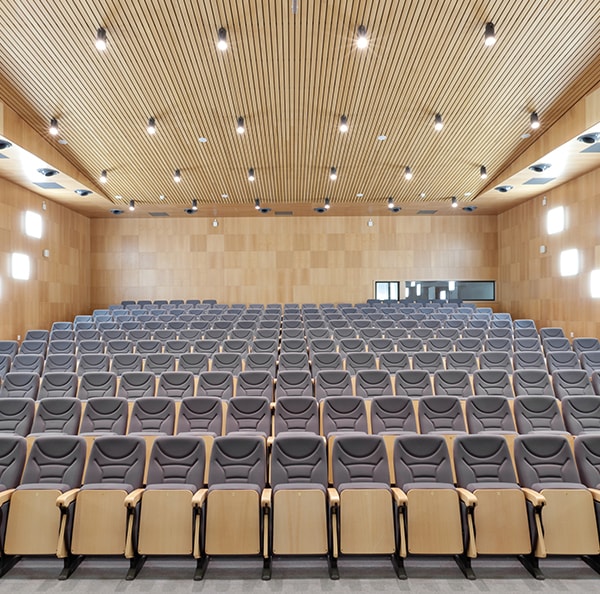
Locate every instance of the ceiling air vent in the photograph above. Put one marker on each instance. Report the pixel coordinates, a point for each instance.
(162, 214)
(589, 138)
(426, 212)
(469, 208)
(283, 213)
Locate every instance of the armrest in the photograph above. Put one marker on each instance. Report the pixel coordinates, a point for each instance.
(133, 498)
(400, 497)
(272, 404)
(199, 498)
(595, 494)
(534, 497)
(265, 498)
(67, 498)
(333, 496)
(5, 496)
(466, 497)
(270, 441)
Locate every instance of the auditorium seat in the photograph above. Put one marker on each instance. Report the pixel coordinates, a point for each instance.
(490, 414)
(260, 361)
(16, 416)
(294, 382)
(571, 382)
(538, 414)
(58, 384)
(193, 362)
(255, 383)
(94, 384)
(137, 384)
(413, 383)
(333, 382)
(562, 360)
(453, 382)
(492, 381)
(496, 360)
(428, 361)
(158, 363)
(296, 413)
(176, 384)
(20, 384)
(29, 363)
(373, 382)
(59, 363)
(230, 362)
(531, 382)
(248, 414)
(581, 414)
(103, 416)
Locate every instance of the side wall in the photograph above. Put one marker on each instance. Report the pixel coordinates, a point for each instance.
(300, 259)
(530, 282)
(59, 286)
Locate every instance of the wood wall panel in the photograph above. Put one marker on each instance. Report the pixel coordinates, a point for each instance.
(59, 287)
(530, 283)
(296, 259)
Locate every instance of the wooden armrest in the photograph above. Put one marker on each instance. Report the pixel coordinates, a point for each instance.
(595, 494)
(5, 496)
(467, 497)
(133, 498)
(265, 498)
(400, 497)
(334, 496)
(66, 498)
(199, 498)
(270, 441)
(272, 405)
(534, 497)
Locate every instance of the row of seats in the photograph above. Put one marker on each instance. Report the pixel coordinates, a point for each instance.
(300, 500)
(386, 415)
(414, 383)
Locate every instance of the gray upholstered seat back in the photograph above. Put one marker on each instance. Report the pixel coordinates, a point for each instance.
(343, 413)
(194, 362)
(20, 384)
(571, 382)
(586, 344)
(428, 361)
(357, 361)
(482, 458)
(537, 413)
(373, 382)
(492, 382)
(238, 459)
(441, 344)
(298, 458)
(296, 413)
(490, 413)
(32, 363)
(294, 382)
(392, 413)
(440, 413)
(393, 361)
(117, 459)
(177, 460)
(137, 384)
(333, 382)
(96, 384)
(215, 383)
(248, 413)
(201, 415)
(581, 414)
(16, 415)
(409, 345)
(529, 360)
(153, 415)
(562, 360)
(453, 382)
(413, 382)
(57, 384)
(421, 459)
(13, 449)
(105, 415)
(380, 345)
(124, 362)
(532, 382)
(587, 456)
(176, 384)
(496, 360)
(544, 458)
(60, 362)
(255, 383)
(56, 459)
(57, 415)
(359, 458)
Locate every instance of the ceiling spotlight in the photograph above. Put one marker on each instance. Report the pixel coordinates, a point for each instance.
(251, 176)
(53, 127)
(101, 39)
(343, 124)
(151, 128)
(4, 144)
(222, 42)
(391, 203)
(177, 176)
(490, 34)
(132, 205)
(103, 176)
(454, 202)
(215, 223)
(534, 121)
(257, 204)
(194, 205)
(327, 204)
(407, 173)
(539, 167)
(82, 192)
(362, 42)
(503, 189)
(589, 138)
(483, 172)
(240, 125)
(438, 124)
(333, 174)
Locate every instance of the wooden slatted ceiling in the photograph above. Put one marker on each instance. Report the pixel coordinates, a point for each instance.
(291, 77)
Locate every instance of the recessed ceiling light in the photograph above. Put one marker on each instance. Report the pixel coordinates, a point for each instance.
(162, 196)
(224, 195)
(526, 135)
(468, 193)
(63, 141)
(116, 211)
(469, 208)
(360, 195)
(189, 211)
(540, 167)
(590, 138)
(117, 197)
(215, 223)
(202, 139)
(319, 209)
(503, 189)
(382, 137)
(4, 144)
(47, 172)
(422, 194)
(82, 192)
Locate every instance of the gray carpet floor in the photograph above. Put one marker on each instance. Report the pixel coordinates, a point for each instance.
(98, 575)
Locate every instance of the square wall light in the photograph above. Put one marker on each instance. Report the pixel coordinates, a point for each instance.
(20, 266)
(555, 220)
(33, 224)
(595, 283)
(569, 262)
